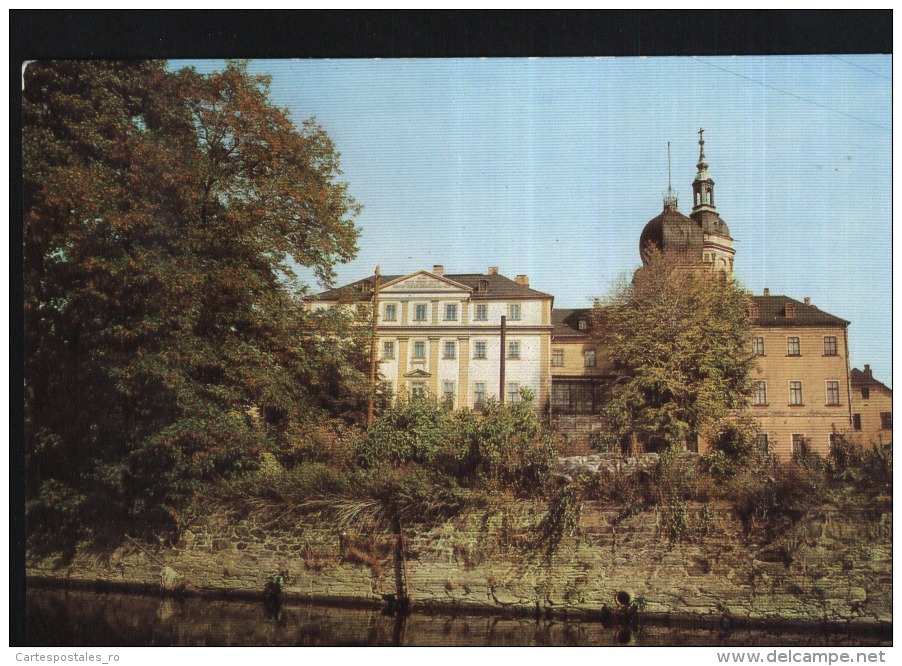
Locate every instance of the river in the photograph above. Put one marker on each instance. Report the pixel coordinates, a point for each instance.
(82, 618)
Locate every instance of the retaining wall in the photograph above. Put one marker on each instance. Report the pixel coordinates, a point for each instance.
(834, 566)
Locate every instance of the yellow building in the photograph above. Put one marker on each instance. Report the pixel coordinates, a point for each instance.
(801, 380)
(872, 409)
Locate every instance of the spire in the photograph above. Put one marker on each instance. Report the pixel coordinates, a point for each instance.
(670, 197)
(703, 185)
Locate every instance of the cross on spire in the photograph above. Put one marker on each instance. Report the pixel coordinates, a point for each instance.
(701, 143)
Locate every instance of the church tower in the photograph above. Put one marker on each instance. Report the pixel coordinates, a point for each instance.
(717, 245)
(701, 240)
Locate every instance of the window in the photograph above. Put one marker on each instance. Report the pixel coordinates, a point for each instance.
(482, 313)
(478, 395)
(387, 392)
(761, 443)
(589, 358)
(795, 393)
(793, 348)
(557, 358)
(758, 346)
(513, 350)
(448, 393)
(790, 310)
(418, 390)
(886, 420)
(835, 441)
(759, 394)
(583, 325)
(450, 351)
(829, 345)
(479, 349)
(798, 443)
(856, 421)
(451, 312)
(419, 312)
(391, 312)
(513, 312)
(865, 393)
(388, 349)
(513, 392)
(832, 392)
(419, 349)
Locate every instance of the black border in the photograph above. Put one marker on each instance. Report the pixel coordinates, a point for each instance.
(43, 34)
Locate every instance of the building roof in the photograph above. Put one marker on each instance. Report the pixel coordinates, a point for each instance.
(566, 322)
(772, 312)
(499, 287)
(865, 378)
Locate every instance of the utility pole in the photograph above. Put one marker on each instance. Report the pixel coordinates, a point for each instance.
(371, 405)
(503, 352)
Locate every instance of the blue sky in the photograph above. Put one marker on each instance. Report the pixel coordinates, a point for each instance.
(551, 167)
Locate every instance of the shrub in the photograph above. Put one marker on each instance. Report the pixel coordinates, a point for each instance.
(776, 500)
(504, 444)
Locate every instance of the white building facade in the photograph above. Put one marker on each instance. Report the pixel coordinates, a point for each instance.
(440, 335)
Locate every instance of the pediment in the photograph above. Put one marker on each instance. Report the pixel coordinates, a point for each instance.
(424, 281)
(417, 374)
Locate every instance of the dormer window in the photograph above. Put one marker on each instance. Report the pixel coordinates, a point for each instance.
(583, 325)
(790, 310)
(366, 286)
(482, 286)
(754, 311)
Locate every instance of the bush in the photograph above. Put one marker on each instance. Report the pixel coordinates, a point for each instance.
(774, 499)
(869, 469)
(503, 444)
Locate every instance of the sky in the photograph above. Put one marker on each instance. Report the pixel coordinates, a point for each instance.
(551, 167)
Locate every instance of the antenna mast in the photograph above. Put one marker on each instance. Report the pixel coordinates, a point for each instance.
(670, 197)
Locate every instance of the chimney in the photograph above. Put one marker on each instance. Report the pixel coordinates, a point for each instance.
(522, 280)
(438, 269)
(493, 270)
(766, 291)
(807, 300)
(867, 371)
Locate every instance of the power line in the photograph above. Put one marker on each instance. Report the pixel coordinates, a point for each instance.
(888, 78)
(789, 94)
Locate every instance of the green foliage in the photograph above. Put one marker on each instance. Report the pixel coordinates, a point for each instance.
(678, 342)
(166, 342)
(868, 469)
(503, 443)
(775, 498)
(560, 520)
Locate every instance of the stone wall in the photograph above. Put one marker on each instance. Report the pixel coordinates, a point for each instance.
(833, 567)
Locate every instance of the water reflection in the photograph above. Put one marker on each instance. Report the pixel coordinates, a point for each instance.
(60, 618)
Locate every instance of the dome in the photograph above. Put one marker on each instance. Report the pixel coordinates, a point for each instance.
(671, 230)
(711, 223)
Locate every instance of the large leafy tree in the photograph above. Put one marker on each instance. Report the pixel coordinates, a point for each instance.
(678, 342)
(166, 341)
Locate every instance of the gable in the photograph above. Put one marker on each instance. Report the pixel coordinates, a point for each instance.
(417, 374)
(423, 282)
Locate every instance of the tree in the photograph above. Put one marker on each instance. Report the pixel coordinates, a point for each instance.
(163, 214)
(678, 342)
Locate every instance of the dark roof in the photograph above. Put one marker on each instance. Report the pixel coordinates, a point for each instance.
(772, 312)
(859, 378)
(566, 322)
(499, 287)
(671, 231)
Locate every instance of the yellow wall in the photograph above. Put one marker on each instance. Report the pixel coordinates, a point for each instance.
(879, 400)
(814, 418)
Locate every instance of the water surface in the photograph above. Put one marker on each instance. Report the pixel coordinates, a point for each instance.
(81, 618)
